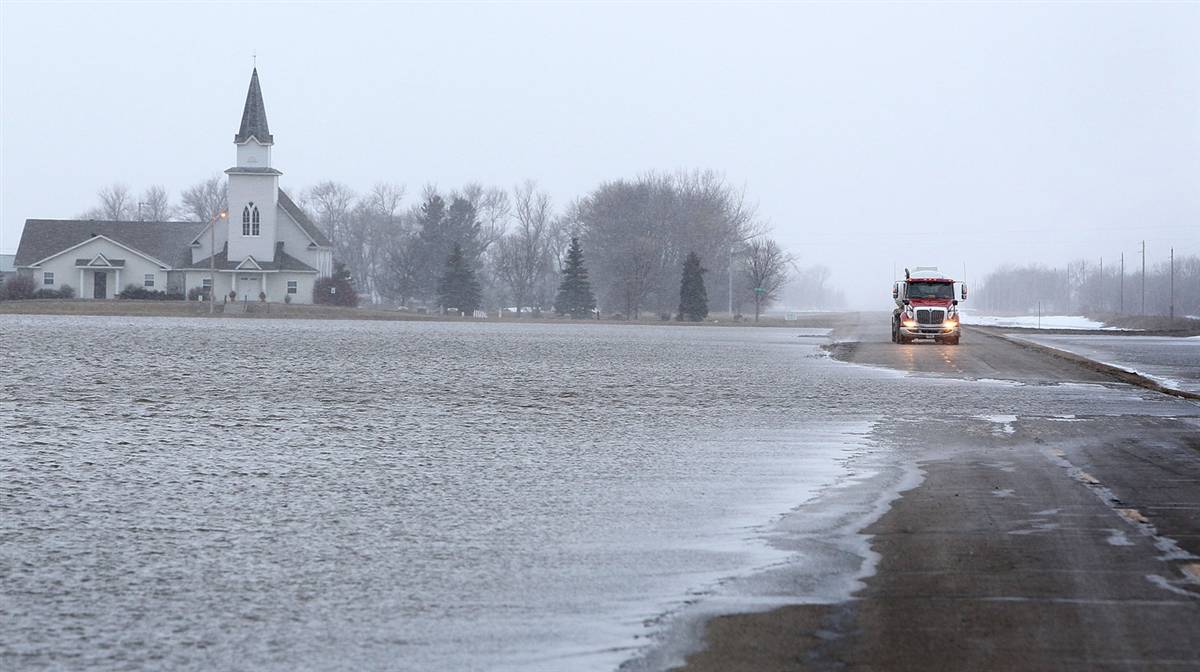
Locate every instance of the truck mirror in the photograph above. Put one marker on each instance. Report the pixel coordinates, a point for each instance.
(906, 302)
(895, 291)
(964, 292)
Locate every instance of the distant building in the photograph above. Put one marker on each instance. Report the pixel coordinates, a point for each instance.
(8, 267)
(266, 244)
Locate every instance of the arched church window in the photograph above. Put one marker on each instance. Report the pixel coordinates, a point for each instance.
(246, 221)
(254, 228)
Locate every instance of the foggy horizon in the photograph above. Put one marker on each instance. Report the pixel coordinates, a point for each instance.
(870, 137)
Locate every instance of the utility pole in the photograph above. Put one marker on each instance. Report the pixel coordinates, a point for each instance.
(1122, 308)
(1172, 284)
(1100, 294)
(212, 261)
(731, 282)
(1143, 277)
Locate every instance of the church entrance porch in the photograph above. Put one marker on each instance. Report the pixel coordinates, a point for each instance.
(99, 285)
(249, 285)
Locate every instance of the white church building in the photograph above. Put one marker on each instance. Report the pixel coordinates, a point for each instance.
(264, 244)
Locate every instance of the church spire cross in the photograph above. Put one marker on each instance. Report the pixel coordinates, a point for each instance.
(254, 115)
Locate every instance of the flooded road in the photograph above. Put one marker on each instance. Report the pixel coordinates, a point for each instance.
(196, 494)
(1065, 536)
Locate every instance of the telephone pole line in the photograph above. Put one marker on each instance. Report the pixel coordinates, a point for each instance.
(1143, 277)
(1122, 304)
(1172, 284)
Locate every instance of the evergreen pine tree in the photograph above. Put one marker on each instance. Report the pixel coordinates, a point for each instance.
(575, 292)
(693, 298)
(458, 288)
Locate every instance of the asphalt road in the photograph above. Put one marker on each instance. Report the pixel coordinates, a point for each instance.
(1057, 543)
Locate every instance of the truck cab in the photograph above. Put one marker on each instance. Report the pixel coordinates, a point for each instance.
(926, 307)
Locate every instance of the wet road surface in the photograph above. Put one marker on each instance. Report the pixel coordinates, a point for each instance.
(1053, 542)
(863, 339)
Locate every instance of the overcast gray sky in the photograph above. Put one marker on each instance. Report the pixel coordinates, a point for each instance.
(868, 134)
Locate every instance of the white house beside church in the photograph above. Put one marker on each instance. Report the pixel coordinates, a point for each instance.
(265, 244)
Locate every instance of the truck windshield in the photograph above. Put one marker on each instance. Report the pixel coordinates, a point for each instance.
(930, 290)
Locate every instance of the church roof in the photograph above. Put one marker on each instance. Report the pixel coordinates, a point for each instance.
(252, 170)
(164, 241)
(283, 262)
(295, 212)
(254, 116)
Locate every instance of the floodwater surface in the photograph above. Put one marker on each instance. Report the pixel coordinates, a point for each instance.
(194, 494)
(218, 494)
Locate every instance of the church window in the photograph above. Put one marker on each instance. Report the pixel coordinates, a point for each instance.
(148, 280)
(291, 287)
(47, 278)
(206, 283)
(250, 222)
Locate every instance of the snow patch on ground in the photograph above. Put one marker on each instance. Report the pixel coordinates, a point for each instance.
(1118, 538)
(1034, 322)
(1005, 422)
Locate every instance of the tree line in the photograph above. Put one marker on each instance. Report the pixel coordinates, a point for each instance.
(635, 234)
(1090, 288)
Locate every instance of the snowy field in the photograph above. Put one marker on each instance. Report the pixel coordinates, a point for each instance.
(1034, 322)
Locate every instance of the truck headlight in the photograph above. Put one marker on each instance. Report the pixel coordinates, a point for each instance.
(909, 324)
(950, 324)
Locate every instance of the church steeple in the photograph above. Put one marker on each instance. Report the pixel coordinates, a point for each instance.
(253, 185)
(254, 116)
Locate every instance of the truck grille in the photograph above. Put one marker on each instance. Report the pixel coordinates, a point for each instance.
(926, 316)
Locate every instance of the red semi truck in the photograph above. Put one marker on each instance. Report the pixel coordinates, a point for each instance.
(926, 307)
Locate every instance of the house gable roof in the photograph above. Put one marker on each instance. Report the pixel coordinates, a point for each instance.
(165, 242)
(283, 262)
(249, 263)
(100, 261)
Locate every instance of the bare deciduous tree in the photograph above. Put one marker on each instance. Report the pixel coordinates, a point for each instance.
(332, 202)
(766, 271)
(525, 256)
(1093, 289)
(204, 200)
(383, 225)
(493, 208)
(155, 205)
(809, 287)
(638, 233)
(115, 202)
